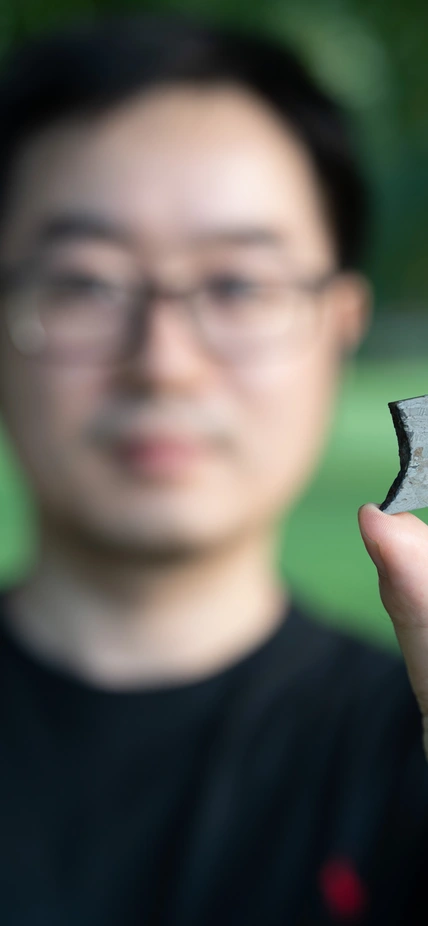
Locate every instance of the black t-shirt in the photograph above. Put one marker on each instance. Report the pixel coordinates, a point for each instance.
(289, 789)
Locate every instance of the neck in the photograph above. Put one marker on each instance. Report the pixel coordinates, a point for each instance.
(125, 624)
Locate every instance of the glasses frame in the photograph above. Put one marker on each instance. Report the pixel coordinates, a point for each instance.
(143, 298)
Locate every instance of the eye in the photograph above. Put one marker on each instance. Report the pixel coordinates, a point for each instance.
(75, 285)
(233, 288)
(79, 289)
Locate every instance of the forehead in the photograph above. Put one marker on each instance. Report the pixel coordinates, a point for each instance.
(172, 164)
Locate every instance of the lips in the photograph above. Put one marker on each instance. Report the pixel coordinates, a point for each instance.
(159, 455)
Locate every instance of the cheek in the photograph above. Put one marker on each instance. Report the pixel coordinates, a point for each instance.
(288, 408)
(44, 410)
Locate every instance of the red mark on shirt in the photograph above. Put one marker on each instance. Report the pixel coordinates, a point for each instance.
(344, 893)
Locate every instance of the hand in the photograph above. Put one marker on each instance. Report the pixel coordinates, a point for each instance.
(398, 546)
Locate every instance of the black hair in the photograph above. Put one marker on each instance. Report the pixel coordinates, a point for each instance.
(90, 67)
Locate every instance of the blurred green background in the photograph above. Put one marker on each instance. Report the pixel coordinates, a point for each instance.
(372, 56)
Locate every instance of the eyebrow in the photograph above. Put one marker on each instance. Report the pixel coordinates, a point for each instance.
(64, 227)
(244, 236)
(70, 227)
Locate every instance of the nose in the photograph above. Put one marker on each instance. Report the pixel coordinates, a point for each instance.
(165, 351)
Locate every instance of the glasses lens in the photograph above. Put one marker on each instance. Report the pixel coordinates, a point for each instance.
(242, 315)
(74, 314)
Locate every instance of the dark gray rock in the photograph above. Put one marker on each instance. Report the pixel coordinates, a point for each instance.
(410, 489)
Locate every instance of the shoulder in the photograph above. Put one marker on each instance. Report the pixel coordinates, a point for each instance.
(344, 655)
(357, 667)
(318, 684)
(341, 683)
(363, 690)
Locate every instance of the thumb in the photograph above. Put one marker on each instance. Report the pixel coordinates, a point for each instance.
(398, 546)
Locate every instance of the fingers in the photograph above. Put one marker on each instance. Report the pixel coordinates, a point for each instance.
(398, 546)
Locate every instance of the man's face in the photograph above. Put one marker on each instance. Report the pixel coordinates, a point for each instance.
(169, 445)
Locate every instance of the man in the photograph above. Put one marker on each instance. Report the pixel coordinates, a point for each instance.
(181, 225)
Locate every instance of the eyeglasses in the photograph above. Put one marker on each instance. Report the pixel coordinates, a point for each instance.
(84, 317)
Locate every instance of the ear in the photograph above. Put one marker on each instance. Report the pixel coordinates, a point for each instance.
(352, 299)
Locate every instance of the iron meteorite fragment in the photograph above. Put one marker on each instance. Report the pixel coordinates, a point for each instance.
(410, 489)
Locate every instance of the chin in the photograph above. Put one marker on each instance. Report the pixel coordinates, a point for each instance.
(151, 535)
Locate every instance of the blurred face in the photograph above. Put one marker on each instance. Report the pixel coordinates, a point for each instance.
(176, 441)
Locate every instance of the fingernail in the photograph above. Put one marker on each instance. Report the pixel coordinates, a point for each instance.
(374, 552)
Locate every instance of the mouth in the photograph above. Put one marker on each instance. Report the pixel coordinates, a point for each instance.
(159, 456)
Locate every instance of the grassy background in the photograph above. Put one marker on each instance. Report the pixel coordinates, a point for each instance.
(321, 552)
